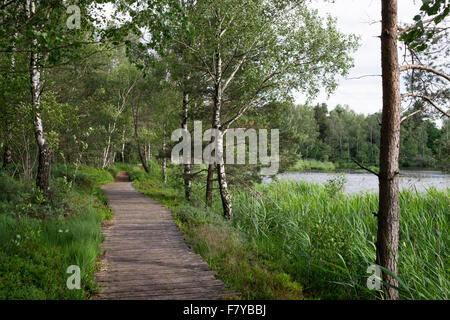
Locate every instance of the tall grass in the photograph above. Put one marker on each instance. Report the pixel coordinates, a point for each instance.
(289, 240)
(327, 242)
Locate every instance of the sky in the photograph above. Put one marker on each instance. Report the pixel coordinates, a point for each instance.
(361, 17)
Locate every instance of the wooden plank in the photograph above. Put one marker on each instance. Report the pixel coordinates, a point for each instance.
(154, 290)
(190, 274)
(168, 296)
(146, 254)
(150, 282)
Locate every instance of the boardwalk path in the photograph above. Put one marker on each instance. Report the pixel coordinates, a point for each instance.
(146, 255)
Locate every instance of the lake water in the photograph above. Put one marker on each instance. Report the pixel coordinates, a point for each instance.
(362, 181)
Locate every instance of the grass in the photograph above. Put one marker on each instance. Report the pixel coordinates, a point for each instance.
(38, 241)
(327, 242)
(294, 240)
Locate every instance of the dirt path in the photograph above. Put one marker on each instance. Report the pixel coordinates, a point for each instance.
(147, 257)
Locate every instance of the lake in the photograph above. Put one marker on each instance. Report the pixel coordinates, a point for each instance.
(362, 181)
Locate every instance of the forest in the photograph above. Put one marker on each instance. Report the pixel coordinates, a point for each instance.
(93, 89)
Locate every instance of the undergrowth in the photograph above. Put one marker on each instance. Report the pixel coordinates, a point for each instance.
(39, 240)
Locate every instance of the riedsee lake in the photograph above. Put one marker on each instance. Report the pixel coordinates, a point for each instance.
(359, 181)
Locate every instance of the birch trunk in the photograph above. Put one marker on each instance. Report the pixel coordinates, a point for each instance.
(107, 150)
(106, 153)
(164, 169)
(44, 166)
(122, 151)
(112, 158)
(221, 175)
(187, 167)
(142, 157)
(164, 165)
(388, 215)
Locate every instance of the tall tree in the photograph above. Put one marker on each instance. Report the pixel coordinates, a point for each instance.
(43, 172)
(388, 214)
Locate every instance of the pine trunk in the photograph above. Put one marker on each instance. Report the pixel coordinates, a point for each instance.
(388, 215)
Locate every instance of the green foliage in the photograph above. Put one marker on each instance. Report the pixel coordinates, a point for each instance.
(152, 185)
(418, 37)
(336, 138)
(9, 188)
(302, 165)
(87, 178)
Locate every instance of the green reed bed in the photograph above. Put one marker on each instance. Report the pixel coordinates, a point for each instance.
(327, 241)
(292, 240)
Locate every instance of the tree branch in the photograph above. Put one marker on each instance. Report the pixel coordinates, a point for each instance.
(411, 115)
(403, 30)
(365, 168)
(423, 68)
(426, 98)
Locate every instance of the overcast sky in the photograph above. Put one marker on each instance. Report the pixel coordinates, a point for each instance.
(361, 17)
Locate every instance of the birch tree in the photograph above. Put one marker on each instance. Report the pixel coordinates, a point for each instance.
(260, 50)
(40, 31)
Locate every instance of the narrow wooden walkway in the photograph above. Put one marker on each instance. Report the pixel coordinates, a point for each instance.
(146, 254)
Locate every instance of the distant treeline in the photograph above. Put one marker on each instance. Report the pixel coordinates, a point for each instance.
(341, 136)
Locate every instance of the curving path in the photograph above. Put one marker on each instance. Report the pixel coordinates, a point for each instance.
(146, 255)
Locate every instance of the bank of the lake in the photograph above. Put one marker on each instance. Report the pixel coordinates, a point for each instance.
(360, 181)
(294, 240)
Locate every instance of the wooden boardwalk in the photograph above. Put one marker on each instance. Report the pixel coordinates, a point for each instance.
(146, 254)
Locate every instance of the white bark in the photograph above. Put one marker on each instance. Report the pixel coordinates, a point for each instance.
(43, 174)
